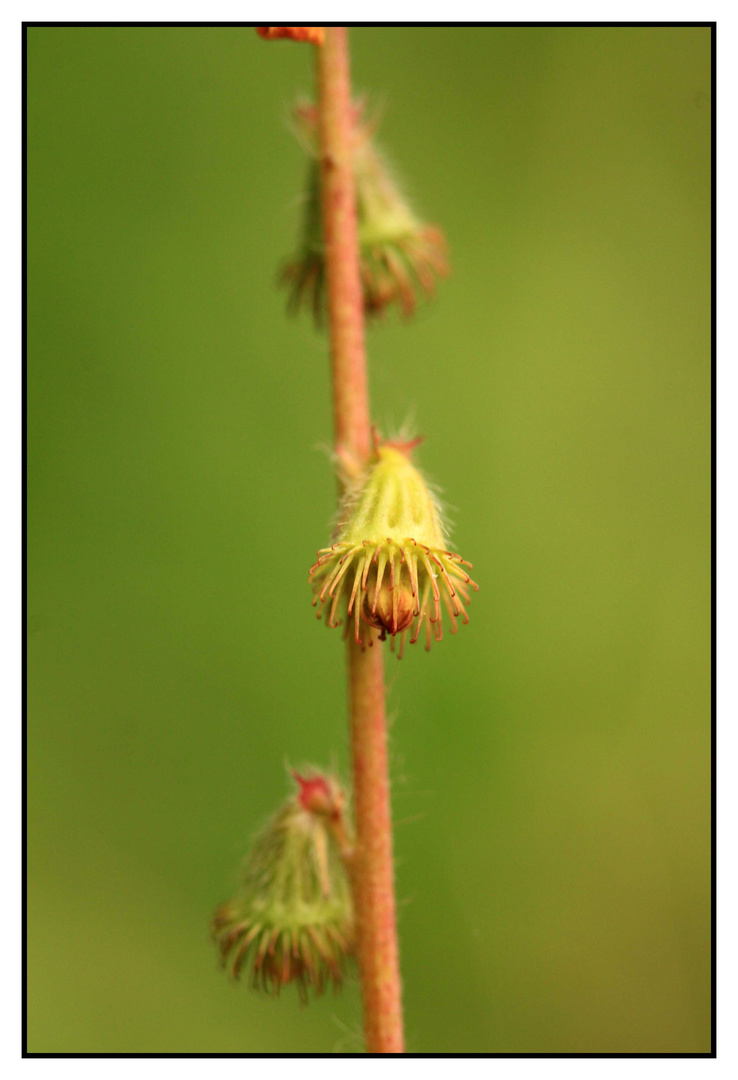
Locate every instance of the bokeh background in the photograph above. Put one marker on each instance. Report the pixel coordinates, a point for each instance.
(551, 763)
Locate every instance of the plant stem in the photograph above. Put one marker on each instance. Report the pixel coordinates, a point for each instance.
(372, 869)
(345, 301)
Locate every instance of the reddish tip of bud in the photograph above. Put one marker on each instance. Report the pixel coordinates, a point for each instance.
(317, 795)
(405, 446)
(313, 34)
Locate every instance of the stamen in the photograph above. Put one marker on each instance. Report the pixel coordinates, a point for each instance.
(357, 613)
(446, 578)
(458, 573)
(285, 958)
(451, 613)
(423, 614)
(432, 577)
(380, 574)
(367, 564)
(243, 950)
(320, 945)
(464, 592)
(436, 593)
(343, 566)
(338, 937)
(273, 941)
(334, 605)
(464, 615)
(412, 564)
(263, 945)
(357, 581)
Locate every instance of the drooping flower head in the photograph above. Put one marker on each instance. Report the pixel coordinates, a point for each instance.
(390, 566)
(292, 920)
(400, 256)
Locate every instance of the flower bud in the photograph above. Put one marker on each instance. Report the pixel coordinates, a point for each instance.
(399, 255)
(312, 34)
(292, 920)
(390, 566)
(319, 795)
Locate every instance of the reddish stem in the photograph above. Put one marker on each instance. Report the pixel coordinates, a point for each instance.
(345, 298)
(372, 864)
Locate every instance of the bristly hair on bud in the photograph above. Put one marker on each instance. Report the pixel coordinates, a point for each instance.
(292, 920)
(399, 255)
(312, 34)
(390, 566)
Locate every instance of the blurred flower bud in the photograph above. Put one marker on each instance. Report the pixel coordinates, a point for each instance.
(390, 565)
(292, 919)
(400, 256)
(312, 34)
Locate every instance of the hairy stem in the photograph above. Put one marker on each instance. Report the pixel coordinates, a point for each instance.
(372, 870)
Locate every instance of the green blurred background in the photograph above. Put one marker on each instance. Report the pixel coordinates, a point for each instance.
(551, 763)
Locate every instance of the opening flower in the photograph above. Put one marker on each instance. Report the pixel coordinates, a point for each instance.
(390, 566)
(292, 920)
(400, 256)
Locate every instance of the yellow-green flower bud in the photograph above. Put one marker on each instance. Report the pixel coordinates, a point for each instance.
(292, 919)
(390, 565)
(399, 255)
